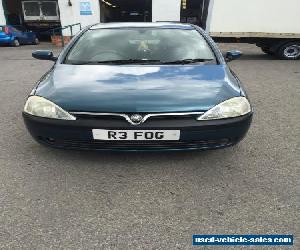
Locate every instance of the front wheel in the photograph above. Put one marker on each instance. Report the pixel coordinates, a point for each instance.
(289, 51)
(36, 41)
(16, 43)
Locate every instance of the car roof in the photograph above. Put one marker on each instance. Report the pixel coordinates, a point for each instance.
(170, 25)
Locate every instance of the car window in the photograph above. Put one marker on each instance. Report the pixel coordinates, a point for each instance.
(164, 45)
(20, 28)
(13, 29)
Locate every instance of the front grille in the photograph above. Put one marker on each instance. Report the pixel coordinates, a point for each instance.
(136, 145)
(154, 119)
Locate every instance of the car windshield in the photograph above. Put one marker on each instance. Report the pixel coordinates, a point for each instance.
(140, 46)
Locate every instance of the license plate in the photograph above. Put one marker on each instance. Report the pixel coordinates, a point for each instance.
(136, 135)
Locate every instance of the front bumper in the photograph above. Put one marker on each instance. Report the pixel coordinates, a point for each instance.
(6, 40)
(78, 134)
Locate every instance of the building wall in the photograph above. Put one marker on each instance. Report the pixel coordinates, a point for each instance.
(166, 10)
(72, 14)
(2, 17)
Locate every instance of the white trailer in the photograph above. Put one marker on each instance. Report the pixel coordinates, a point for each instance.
(273, 25)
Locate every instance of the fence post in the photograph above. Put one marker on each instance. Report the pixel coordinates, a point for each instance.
(62, 38)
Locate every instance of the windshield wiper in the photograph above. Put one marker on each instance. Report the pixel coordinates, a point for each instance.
(188, 61)
(118, 62)
(139, 61)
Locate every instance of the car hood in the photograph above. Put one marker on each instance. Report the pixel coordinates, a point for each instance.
(167, 88)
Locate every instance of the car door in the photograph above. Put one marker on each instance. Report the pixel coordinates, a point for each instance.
(30, 36)
(17, 33)
(27, 35)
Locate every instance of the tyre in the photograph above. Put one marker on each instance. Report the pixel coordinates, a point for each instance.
(289, 51)
(16, 43)
(267, 50)
(36, 41)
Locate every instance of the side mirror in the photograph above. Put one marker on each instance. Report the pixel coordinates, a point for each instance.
(232, 55)
(44, 55)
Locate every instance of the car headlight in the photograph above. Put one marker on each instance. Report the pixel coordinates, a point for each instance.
(233, 107)
(39, 106)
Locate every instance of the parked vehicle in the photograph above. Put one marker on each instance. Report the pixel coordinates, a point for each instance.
(16, 36)
(40, 16)
(270, 24)
(139, 86)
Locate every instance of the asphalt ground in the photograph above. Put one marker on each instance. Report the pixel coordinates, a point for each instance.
(54, 199)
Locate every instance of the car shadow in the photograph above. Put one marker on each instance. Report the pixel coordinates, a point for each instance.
(123, 161)
(258, 57)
